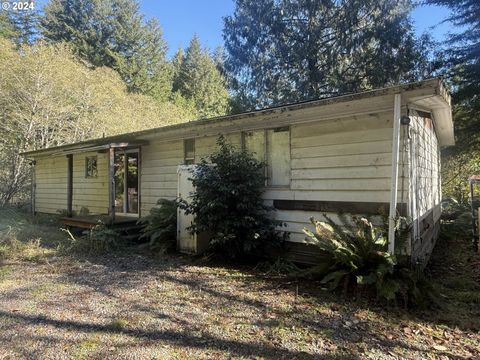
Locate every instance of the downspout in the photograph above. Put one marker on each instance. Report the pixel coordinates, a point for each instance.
(394, 177)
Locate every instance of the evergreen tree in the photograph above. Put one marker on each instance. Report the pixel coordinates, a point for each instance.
(112, 33)
(463, 53)
(283, 51)
(198, 80)
(7, 29)
(19, 26)
(461, 57)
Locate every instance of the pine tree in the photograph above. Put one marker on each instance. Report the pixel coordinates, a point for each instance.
(112, 33)
(461, 60)
(282, 51)
(198, 80)
(463, 47)
(21, 27)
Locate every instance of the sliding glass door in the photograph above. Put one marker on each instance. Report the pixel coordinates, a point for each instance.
(126, 181)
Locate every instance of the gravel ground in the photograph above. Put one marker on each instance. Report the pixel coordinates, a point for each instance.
(132, 307)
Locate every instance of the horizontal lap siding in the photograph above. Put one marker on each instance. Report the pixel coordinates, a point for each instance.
(159, 165)
(90, 195)
(51, 184)
(341, 160)
(159, 172)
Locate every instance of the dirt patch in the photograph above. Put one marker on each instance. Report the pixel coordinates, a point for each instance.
(132, 307)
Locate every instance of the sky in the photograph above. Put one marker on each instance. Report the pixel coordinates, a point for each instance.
(181, 19)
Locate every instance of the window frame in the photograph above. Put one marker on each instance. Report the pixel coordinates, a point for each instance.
(91, 173)
(265, 154)
(186, 159)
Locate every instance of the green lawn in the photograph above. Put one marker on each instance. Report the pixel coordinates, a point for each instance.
(129, 306)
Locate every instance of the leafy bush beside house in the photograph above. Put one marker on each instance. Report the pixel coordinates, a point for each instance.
(354, 257)
(228, 204)
(161, 226)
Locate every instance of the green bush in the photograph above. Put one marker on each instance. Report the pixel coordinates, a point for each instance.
(99, 240)
(355, 256)
(228, 204)
(161, 226)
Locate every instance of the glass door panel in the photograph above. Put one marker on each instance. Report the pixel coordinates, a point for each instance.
(132, 183)
(126, 181)
(119, 182)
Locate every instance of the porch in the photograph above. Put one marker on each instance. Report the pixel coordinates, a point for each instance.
(90, 221)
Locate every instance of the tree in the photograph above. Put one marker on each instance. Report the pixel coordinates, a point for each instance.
(20, 27)
(198, 80)
(113, 33)
(48, 97)
(282, 51)
(461, 56)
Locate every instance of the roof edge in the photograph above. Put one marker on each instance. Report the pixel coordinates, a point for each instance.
(436, 83)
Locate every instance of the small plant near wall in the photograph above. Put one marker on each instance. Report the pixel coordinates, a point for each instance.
(228, 204)
(353, 256)
(161, 226)
(97, 241)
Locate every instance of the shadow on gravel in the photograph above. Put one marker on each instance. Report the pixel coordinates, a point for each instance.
(174, 338)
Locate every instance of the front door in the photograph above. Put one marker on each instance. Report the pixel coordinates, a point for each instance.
(126, 182)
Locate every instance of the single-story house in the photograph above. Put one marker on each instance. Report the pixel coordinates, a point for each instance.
(364, 153)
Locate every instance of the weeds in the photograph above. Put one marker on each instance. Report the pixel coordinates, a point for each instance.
(96, 241)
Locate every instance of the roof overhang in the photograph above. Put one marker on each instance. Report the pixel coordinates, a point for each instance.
(439, 104)
(90, 146)
(430, 95)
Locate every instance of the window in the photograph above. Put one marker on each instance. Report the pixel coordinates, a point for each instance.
(254, 142)
(189, 151)
(91, 167)
(278, 157)
(273, 147)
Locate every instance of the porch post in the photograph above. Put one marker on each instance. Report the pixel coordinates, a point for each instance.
(111, 184)
(394, 177)
(69, 185)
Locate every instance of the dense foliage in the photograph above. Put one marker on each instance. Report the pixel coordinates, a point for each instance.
(198, 80)
(161, 226)
(228, 204)
(112, 33)
(354, 256)
(461, 61)
(48, 97)
(285, 51)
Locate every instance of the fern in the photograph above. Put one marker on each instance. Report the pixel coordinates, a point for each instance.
(161, 226)
(355, 253)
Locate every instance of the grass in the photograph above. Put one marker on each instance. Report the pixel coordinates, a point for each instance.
(125, 305)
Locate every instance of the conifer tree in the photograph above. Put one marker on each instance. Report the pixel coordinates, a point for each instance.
(197, 79)
(282, 51)
(112, 33)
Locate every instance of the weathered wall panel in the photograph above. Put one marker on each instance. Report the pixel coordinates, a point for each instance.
(51, 184)
(90, 195)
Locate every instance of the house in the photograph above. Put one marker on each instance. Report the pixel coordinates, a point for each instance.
(364, 153)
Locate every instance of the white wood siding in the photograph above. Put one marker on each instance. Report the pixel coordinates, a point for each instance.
(340, 160)
(90, 194)
(51, 184)
(158, 172)
(159, 166)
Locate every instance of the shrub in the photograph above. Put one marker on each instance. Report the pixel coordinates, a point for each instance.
(98, 240)
(161, 226)
(355, 255)
(228, 204)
